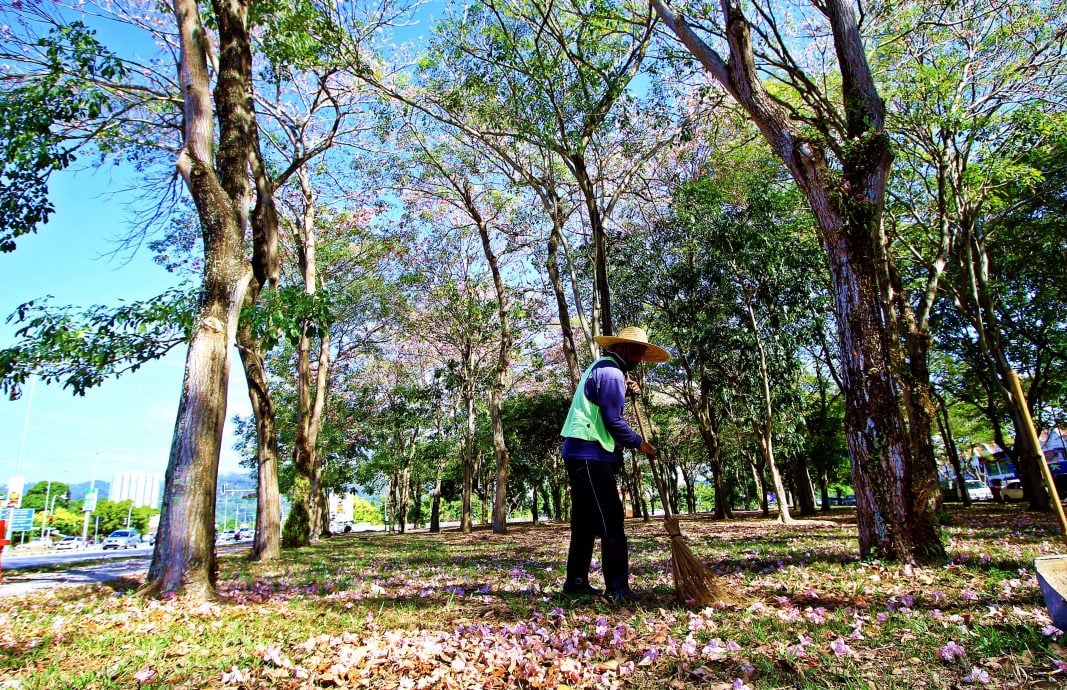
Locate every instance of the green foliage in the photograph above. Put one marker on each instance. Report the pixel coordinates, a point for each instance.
(34, 110)
(36, 495)
(297, 526)
(83, 348)
(282, 315)
(365, 511)
(295, 34)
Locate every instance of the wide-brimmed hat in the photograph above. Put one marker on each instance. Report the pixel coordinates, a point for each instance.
(636, 336)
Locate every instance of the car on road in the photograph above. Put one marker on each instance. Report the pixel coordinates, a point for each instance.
(72, 543)
(978, 491)
(122, 539)
(35, 544)
(1013, 490)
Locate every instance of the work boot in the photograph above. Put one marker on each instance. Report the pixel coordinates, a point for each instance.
(622, 597)
(579, 587)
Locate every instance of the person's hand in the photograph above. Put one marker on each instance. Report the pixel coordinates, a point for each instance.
(647, 448)
(632, 388)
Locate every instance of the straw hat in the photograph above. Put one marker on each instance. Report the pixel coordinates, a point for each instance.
(636, 336)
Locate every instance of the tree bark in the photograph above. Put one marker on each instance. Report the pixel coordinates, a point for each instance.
(896, 509)
(500, 375)
(570, 351)
(184, 559)
(266, 545)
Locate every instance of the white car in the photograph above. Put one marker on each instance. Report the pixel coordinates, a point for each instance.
(123, 539)
(71, 543)
(1012, 491)
(978, 491)
(34, 544)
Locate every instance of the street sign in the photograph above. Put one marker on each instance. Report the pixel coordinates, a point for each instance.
(89, 504)
(22, 519)
(15, 487)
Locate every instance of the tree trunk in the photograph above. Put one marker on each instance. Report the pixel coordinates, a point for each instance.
(435, 504)
(895, 511)
(184, 558)
(570, 351)
(601, 292)
(468, 457)
(945, 427)
(266, 544)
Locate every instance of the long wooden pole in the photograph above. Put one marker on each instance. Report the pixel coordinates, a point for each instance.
(660, 482)
(1035, 442)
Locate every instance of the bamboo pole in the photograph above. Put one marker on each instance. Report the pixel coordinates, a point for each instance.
(1031, 432)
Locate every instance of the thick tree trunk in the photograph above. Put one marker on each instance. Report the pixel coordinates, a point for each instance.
(896, 510)
(266, 545)
(184, 557)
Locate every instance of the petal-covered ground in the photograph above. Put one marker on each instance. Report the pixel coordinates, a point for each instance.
(484, 611)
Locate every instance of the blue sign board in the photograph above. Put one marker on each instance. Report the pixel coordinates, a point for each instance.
(21, 519)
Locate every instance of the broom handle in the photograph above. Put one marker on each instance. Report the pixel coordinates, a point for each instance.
(652, 462)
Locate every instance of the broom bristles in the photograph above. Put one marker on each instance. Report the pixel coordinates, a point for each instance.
(693, 582)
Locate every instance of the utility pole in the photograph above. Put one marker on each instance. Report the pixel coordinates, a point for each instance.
(226, 504)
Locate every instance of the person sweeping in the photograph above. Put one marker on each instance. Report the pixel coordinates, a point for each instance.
(595, 434)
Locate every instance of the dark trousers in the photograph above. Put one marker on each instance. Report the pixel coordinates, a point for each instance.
(596, 511)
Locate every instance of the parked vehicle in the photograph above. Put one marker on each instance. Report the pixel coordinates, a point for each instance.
(72, 543)
(1013, 490)
(226, 536)
(34, 544)
(123, 539)
(978, 491)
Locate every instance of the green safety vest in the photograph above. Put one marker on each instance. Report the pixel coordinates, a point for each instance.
(584, 420)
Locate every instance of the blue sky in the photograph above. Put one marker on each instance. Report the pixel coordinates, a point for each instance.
(124, 425)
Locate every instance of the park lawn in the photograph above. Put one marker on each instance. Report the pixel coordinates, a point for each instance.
(482, 611)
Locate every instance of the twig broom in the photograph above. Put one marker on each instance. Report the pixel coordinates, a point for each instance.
(693, 582)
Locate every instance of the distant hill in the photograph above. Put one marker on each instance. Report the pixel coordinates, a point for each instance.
(77, 491)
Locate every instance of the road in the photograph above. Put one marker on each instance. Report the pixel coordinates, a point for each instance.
(75, 568)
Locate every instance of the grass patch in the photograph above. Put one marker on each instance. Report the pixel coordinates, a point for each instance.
(480, 610)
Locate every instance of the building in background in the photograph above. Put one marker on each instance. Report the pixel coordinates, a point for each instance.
(141, 488)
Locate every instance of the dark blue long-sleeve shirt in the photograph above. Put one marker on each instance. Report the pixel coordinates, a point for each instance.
(605, 387)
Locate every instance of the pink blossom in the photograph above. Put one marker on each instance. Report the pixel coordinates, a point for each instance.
(1051, 631)
(840, 647)
(234, 677)
(969, 594)
(145, 674)
(951, 651)
(978, 676)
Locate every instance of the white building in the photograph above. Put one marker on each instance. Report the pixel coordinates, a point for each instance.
(142, 489)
